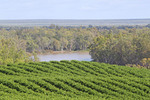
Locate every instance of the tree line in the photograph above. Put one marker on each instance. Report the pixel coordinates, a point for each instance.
(57, 39)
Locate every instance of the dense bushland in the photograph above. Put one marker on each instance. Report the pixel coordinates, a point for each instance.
(130, 46)
(11, 52)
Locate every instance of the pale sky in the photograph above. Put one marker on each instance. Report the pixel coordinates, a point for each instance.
(74, 9)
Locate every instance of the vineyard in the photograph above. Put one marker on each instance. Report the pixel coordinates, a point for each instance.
(73, 80)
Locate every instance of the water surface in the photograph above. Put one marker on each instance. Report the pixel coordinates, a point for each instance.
(65, 56)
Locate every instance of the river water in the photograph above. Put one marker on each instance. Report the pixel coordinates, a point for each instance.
(84, 56)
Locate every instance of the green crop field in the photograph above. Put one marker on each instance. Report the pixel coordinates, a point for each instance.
(73, 80)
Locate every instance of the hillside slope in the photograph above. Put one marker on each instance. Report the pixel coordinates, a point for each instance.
(77, 80)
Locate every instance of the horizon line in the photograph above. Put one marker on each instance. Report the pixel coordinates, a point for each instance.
(82, 19)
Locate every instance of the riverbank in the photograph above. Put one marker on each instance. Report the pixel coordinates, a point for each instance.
(46, 52)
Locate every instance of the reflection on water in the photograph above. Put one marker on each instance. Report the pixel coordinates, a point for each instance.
(65, 56)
